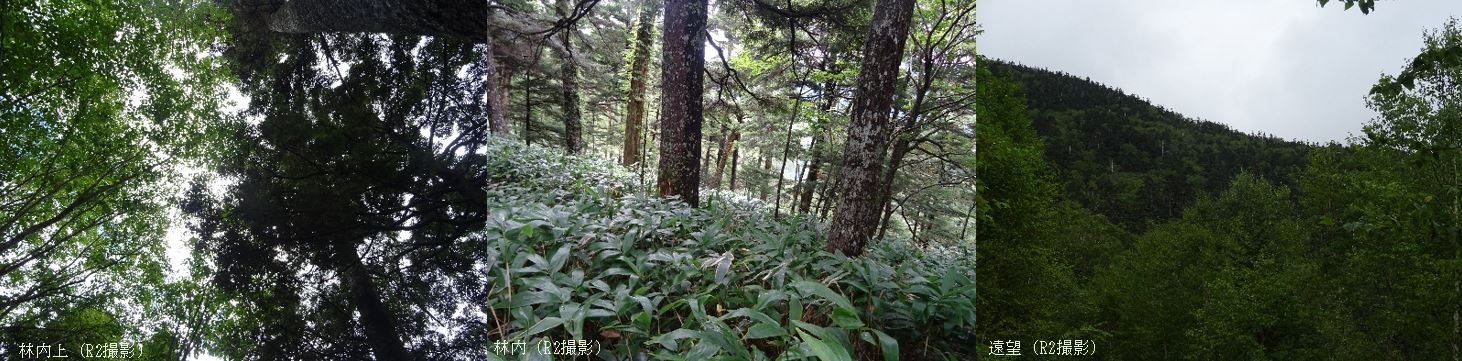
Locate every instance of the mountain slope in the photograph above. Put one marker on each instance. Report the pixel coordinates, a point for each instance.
(1133, 161)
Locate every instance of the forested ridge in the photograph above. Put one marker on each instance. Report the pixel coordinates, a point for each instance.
(1104, 218)
(1134, 161)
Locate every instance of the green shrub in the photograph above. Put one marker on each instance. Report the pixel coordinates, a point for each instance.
(575, 252)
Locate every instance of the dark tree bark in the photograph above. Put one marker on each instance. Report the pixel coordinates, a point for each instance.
(375, 316)
(857, 215)
(496, 93)
(573, 137)
(728, 144)
(639, 73)
(528, 105)
(681, 87)
(735, 156)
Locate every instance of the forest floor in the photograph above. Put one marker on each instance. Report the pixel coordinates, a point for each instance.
(576, 252)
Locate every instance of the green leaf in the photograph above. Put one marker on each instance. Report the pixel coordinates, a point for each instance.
(573, 314)
(794, 308)
(752, 314)
(764, 330)
(824, 350)
(542, 325)
(888, 345)
(703, 351)
(668, 340)
(559, 259)
(494, 357)
(815, 288)
(846, 318)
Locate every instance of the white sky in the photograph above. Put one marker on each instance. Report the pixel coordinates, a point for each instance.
(1287, 68)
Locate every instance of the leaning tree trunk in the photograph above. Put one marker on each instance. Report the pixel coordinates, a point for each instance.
(681, 86)
(857, 215)
(569, 77)
(639, 73)
(727, 146)
(375, 316)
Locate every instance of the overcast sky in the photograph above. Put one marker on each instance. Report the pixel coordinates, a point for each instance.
(1283, 67)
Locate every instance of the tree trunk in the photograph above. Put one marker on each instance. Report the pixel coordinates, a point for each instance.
(450, 18)
(804, 201)
(710, 154)
(735, 154)
(901, 148)
(639, 73)
(573, 137)
(493, 95)
(809, 179)
(964, 225)
(375, 316)
(786, 148)
(681, 86)
(528, 105)
(766, 168)
(857, 214)
(823, 200)
(505, 94)
(727, 145)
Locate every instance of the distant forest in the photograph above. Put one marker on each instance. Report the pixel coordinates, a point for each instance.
(1101, 216)
(1133, 161)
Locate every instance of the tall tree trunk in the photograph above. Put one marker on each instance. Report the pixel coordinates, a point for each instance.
(964, 224)
(639, 73)
(857, 214)
(528, 104)
(493, 96)
(573, 137)
(828, 197)
(809, 178)
(804, 201)
(681, 86)
(710, 154)
(766, 168)
(505, 94)
(375, 316)
(786, 149)
(449, 18)
(901, 149)
(727, 145)
(735, 155)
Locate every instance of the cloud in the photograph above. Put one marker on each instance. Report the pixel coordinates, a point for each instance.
(1286, 68)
